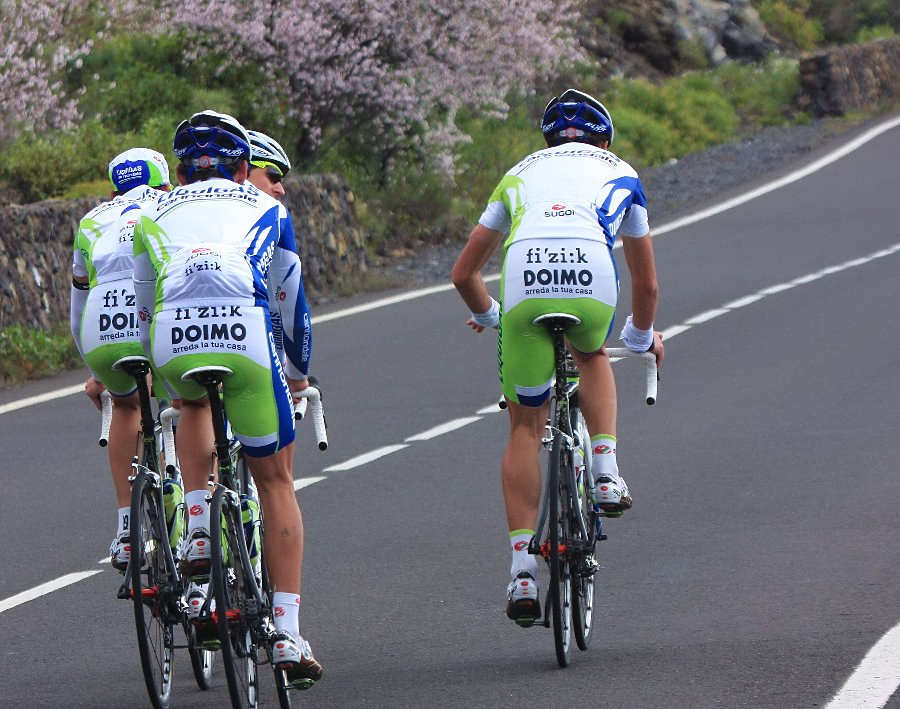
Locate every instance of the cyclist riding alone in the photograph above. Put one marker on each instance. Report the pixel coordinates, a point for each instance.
(102, 314)
(210, 260)
(269, 164)
(560, 211)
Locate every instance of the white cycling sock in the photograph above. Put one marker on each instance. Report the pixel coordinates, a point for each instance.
(198, 509)
(124, 516)
(286, 609)
(604, 460)
(521, 559)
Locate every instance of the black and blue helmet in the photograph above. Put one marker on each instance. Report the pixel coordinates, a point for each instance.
(575, 116)
(211, 140)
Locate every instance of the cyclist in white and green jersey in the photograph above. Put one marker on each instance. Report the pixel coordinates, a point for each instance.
(210, 259)
(560, 211)
(102, 313)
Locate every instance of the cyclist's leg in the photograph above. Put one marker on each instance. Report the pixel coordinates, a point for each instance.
(597, 389)
(123, 430)
(257, 400)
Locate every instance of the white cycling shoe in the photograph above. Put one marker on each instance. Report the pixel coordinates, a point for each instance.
(612, 496)
(295, 659)
(120, 552)
(197, 552)
(523, 603)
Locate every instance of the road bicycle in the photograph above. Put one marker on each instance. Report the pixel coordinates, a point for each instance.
(152, 580)
(569, 523)
(238, 607)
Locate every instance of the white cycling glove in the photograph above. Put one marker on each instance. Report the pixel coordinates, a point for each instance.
(635, 339)
(489, 318)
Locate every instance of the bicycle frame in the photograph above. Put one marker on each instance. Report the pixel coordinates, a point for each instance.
(559, 421)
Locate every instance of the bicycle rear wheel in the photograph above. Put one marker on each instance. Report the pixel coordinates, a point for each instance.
(560, 596)
(581, 564)
(154, 588)
(238, 602)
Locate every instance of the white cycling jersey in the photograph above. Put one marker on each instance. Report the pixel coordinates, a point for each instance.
(218, 243)
(103, 321)
(572, 190)
(563, 208)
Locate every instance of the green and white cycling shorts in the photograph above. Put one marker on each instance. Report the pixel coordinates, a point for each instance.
(109, 331)
(238, 336)
(540, 276)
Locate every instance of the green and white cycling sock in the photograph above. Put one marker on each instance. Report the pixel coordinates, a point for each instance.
(124, 516)
(521, 559)
(604, 458)
(198, 509)
(286, 609)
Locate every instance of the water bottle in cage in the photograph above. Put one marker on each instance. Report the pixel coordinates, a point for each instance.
(173, 500)
(251, 520)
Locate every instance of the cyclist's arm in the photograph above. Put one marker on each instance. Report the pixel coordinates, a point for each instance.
(644, 287)
(287, 295)
(80, 288)
(466, 273)
(144, 285)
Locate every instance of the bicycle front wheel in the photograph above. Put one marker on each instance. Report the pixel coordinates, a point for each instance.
(238, 602)
(153, 587)
(560, 597)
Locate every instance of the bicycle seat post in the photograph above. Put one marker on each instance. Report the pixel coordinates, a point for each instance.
(138, 367)
(211, 378)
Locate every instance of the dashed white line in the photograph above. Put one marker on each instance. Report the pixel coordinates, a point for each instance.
(365, 458)
(45, 588)
(306, 482)
(443, 428)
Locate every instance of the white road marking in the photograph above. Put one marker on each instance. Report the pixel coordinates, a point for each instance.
(41, 398)
(442, 429)
(45, 588)
(365, 458)
(306, 482)
(876, 678)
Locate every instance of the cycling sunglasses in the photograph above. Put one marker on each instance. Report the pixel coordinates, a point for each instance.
(273, 171)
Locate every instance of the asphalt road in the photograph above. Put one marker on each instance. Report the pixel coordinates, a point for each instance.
(758, 567)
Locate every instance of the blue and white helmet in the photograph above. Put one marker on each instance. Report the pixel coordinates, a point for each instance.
(211, 140)
(573, 115)
(267, 152)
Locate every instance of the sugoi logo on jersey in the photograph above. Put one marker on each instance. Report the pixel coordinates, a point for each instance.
(559, 210)
(211, 261)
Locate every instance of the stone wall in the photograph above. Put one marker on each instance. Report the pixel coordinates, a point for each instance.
(835, 81)
(36, 247)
